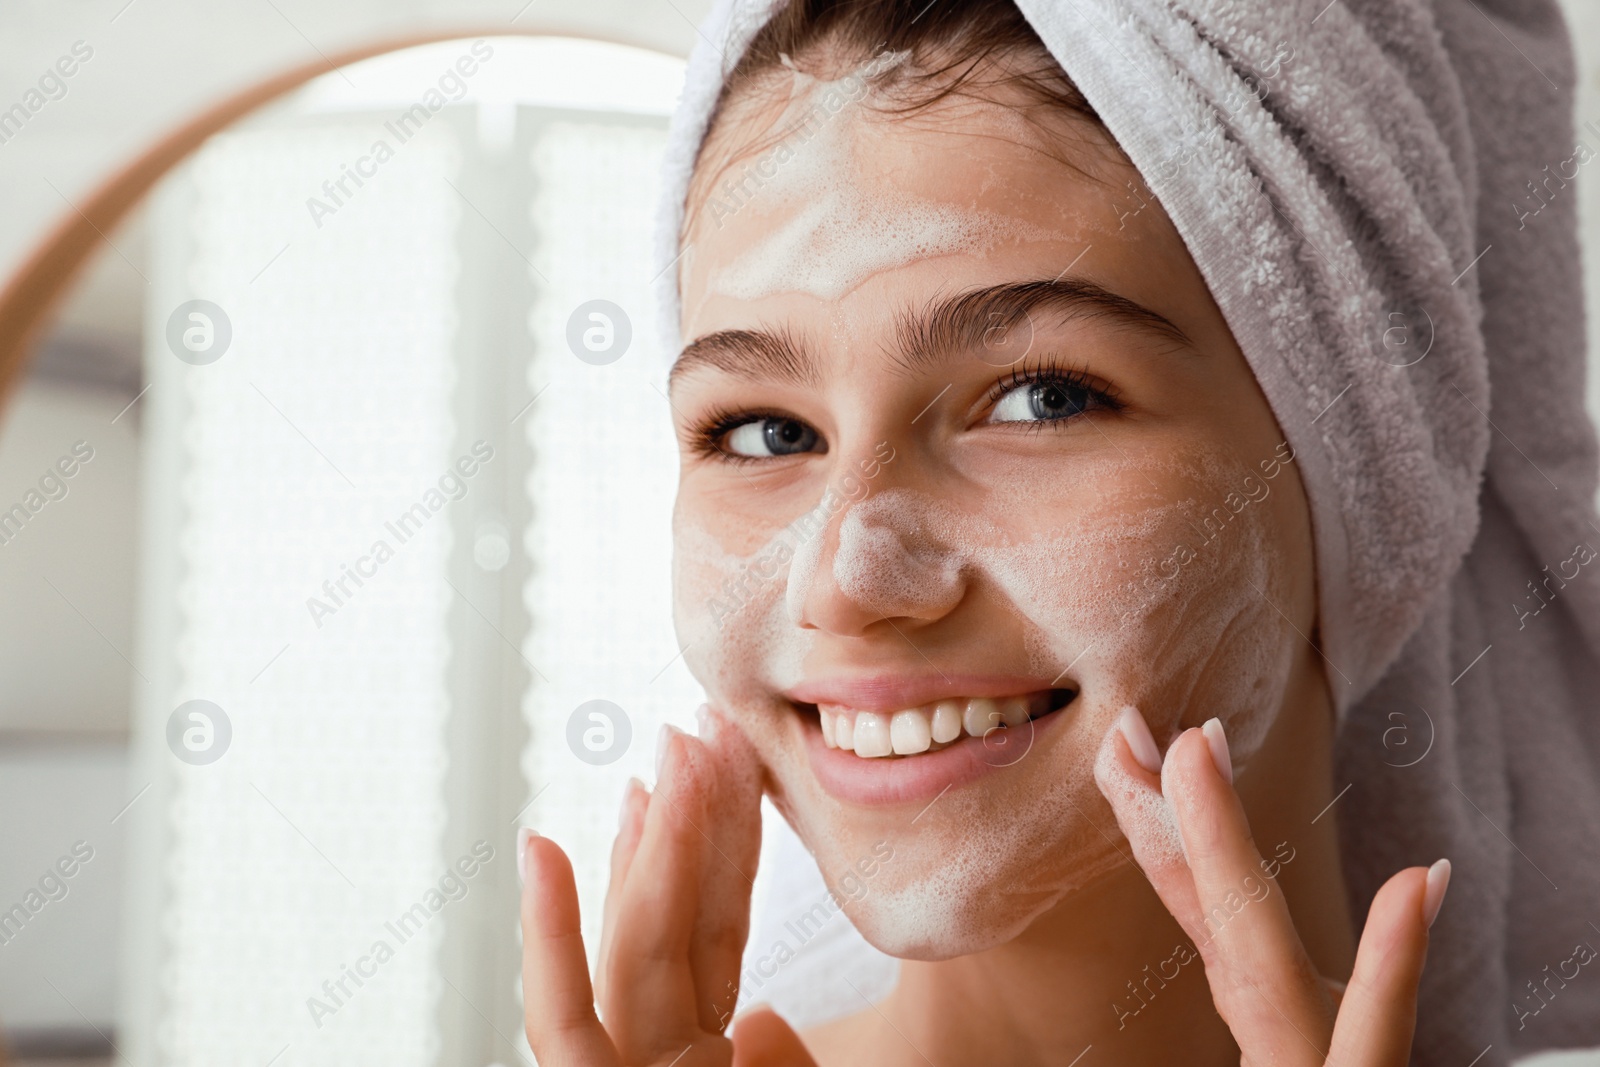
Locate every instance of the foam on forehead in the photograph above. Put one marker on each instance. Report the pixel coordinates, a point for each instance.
(834, 224)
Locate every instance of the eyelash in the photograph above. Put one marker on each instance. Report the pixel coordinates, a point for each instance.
(1050, 369)
(706, 438)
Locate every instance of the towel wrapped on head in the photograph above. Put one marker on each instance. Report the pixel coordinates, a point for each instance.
(1380, 196)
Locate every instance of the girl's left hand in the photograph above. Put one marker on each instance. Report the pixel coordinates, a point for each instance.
(676, 917)
(1279, 1010)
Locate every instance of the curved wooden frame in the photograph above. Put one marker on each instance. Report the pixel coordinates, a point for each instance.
(35, 290)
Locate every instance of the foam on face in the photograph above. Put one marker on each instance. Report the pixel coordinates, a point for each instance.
(1101, 598)
(1099, 594)
(831, 228)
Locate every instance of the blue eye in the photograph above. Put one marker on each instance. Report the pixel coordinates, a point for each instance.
(772, 435)
(1047, 394)
(1043, 401)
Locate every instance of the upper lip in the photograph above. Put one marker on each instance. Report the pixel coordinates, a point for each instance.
(894, 692)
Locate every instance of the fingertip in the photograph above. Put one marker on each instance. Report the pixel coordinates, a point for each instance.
(549, 896)
(706, 723)
(540, 856)
(524, 835)
(1141, 743)
(761, 1036)
(1378, 1011)
(1434, 887)
(1217, 740)
(630, 793)
(1178, 763)
(1398, 906)
(664, 745)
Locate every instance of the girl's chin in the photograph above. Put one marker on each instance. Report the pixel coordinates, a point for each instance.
(928, 898)
(912, 937)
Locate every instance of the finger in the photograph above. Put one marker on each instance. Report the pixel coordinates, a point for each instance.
(733, 847)
(1128, 772)
(1262, 981)
(1379, 1013)
(1335, 991)
(630, 829)
(762, 1039)
(558, 1003)
(649, 993)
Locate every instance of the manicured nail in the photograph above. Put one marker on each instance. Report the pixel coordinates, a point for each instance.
(706, 723)
(1136, 732)
(1433, 894)
(1218, 740)
(524, 835)
(627, 799)
(662, 740)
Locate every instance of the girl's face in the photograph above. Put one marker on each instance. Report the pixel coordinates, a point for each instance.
(970, 461)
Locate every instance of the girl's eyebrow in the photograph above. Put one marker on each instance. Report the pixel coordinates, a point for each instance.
(972, 320)
(757, 355)
(925, 337)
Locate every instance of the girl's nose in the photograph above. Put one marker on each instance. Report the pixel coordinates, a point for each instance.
(878, 559)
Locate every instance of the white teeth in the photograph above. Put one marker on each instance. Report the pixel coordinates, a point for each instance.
(913, 730)
(946, 721)
(872, 735)
(910, 732)
(844, 731)
(982, 715)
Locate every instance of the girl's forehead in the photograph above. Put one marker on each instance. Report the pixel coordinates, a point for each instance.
(936, 198)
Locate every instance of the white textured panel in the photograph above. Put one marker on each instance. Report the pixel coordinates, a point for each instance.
(326, 419)
(604, 477)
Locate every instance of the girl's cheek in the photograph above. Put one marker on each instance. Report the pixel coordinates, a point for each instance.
(728, 611)
(1179, 606)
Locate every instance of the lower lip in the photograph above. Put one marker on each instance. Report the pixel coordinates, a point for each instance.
(909, 779)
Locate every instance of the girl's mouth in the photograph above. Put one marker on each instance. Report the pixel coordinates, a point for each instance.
(934, 726)
(915, 754)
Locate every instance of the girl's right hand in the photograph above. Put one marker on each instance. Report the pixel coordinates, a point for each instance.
(677, 914)
(1278, 1008)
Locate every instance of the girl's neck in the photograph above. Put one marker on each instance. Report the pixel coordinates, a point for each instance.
(1109, 967)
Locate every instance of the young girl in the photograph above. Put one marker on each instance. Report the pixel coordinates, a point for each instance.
(1032, 555)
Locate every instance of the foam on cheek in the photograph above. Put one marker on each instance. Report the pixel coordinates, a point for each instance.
(802, 570)
(728, 610)
(1093, 595)
(1129, 603)
(840, 225)
(1145, 814)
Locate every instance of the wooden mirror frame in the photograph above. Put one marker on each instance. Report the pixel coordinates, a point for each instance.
(33, 293)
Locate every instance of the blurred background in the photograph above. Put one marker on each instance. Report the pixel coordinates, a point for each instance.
(334, 515)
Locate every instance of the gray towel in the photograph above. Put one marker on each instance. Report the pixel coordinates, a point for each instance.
(1380, 195)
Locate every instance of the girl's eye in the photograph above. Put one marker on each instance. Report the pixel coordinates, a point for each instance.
(770, 435)
(1046, 400)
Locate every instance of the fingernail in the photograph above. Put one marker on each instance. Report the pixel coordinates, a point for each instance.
(1136, 732)
(524, 835)
(1433, 894)
(706, 723)
(627, 799)
(1218, 740)
(662, 740)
